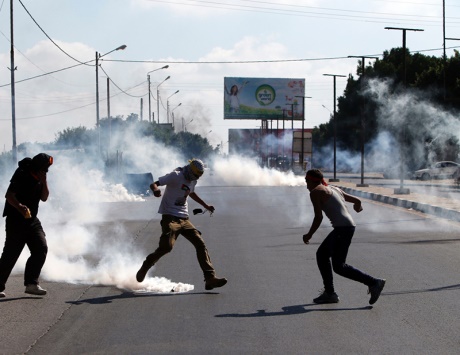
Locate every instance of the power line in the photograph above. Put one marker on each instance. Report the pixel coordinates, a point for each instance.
(41, 29)
(45, 74)
(123, 91)
(299, 12)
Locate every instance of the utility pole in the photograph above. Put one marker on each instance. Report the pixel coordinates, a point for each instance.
(97, 105)
(335, 126)
(13, 95)
(150, 92)
(150, 103)
(98, 56)
(401, 190)
(363, 123)
(108, 112)
(142, 109)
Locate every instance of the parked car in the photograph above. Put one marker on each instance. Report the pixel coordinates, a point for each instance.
(395, 173)
(439, 170)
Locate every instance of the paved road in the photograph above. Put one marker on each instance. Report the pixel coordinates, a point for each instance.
(254, 239)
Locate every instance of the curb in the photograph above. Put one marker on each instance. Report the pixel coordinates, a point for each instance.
(399, 202)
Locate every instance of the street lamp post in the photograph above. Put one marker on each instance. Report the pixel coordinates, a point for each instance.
(150, 94)
(335, 126)
(184, 126)
(99, 56)
(158, 99)
(167, 105)
(172, 114)
(363, 124)
(401, 190)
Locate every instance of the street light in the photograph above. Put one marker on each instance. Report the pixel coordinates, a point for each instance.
(335, 125)
(184, 126)
(402, 190)
(148, 80)
(99, 56)
(172, 114)
(158, 99)
(167, 105)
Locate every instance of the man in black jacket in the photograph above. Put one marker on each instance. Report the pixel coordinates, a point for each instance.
(27, 188)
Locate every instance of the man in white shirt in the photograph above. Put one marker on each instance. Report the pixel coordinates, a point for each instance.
(180, 184)
(331, 201)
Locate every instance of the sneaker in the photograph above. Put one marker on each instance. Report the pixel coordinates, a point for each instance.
(214, 282)
(376, 290)
(2, 294)
(35, 290)
(140, 276)
(326, 297)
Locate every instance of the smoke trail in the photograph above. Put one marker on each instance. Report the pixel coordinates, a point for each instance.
(243, 171)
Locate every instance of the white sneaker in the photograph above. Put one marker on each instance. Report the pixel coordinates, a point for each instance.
(2, 295)
(35, 290)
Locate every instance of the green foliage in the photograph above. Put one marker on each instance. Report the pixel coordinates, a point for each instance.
(112, 132)
(77, 137)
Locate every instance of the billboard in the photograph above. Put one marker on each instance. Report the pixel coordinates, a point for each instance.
(263, 98)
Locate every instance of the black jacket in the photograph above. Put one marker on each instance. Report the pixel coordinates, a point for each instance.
(27, 188)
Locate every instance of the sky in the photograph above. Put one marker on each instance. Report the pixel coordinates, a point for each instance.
(56, 41)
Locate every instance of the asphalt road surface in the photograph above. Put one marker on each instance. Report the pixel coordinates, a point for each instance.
(255, 241)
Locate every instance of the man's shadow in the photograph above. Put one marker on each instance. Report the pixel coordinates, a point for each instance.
(290, 310)
(127, 295)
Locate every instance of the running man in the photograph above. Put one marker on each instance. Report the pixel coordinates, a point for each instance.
(331, 200)
(180, 184)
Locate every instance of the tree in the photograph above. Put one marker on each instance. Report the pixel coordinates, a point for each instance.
(424, 80)
(78, 137)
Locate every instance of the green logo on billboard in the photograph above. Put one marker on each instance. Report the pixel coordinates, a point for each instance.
(265, 95)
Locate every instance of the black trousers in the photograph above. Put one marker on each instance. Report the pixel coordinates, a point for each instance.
(18, 234)
(335, 248)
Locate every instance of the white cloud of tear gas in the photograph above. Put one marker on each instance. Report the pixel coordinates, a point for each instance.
(243, 171)
(415, 114)
(80, 251)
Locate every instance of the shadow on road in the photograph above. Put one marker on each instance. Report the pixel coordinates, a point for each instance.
(126, 295)
(289, 311)
(435, 289)
(6, 299)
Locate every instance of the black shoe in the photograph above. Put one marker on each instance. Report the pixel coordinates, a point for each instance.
(376, 290)
(327, 297)
(214, 282)
(140, 276)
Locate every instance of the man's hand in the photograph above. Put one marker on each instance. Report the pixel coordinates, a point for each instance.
(41, 176)
(357, 207)
(306, 238)
(157, 193)
(24, 210)
(210, 208)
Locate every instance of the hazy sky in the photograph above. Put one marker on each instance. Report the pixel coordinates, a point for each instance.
(202, 42)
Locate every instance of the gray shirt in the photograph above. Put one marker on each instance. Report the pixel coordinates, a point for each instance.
(174, 201)
(337, 211)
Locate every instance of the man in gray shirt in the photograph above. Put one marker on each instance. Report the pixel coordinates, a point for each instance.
(331, 201)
